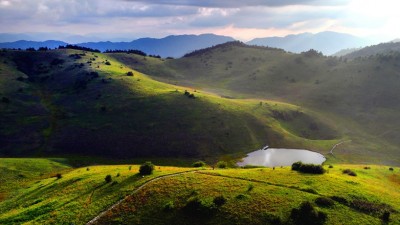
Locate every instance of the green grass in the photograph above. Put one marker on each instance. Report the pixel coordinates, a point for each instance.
(272, 192)
(360, 97)
(136, 116)
(77, 197)
(252, 195)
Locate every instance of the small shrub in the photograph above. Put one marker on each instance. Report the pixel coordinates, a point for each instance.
(310, 190)
(219, 200)
(391, 169)
(330, 167)
(199, 164)
(108, 178)
(198, 208)
(339, 199)
(324, 202)
(87, 169)
(129, 168)
(58, 175)
(296, 166)
(118, 174)
(367, 168)
(169, 206)
(129, 74)
(308, 168)
(146, 168)
(349, 172)
(242, 196)
(108, 63)
(306, 214)
(270, 218)
(222, 164)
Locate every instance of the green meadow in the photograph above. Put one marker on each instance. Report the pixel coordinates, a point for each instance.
(34, 194)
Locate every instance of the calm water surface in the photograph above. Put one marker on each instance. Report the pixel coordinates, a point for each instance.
(272, 157)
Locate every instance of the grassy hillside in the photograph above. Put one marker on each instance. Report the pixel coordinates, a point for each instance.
(252, 196)
(78, 196)
(380, 49)
(361, 96)
(75, 102)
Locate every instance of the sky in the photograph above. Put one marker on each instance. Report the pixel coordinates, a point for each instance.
(240, 19)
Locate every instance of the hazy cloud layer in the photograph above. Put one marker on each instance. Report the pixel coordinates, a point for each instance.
(240, 19)
(241, 3)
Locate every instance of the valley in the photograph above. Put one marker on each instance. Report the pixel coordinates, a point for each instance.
(73, 117)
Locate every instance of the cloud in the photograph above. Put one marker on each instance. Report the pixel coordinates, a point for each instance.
(157, 18)
(241, 3)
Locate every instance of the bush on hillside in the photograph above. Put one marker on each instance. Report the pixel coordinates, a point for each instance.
(222, 164)
(196, 207)
(349, 172)
(270, 218)
(130, 73)
(108, 63)
(199, 164)
(219, 200)
(146, 169)
(59, 175)
(169, 206)
(306, 214)
(308, 168)
(108, 178)
(324, 202)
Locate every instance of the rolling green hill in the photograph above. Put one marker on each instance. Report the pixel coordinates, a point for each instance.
(179, 195)
(361, 96)
(72, 102)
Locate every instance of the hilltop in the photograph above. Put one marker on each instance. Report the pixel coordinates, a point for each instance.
(373, 50)
(361, 96)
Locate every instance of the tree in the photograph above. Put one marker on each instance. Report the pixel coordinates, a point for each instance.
(222, 164)
(199, 164)
(146, 168)
(108, 178)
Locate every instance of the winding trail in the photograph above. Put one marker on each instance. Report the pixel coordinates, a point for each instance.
(331, 151)
(94, 220)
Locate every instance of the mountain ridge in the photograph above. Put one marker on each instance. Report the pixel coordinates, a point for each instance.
(327, 42)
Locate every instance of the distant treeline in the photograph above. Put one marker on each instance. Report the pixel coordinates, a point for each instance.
(79, 48)
(129, 51)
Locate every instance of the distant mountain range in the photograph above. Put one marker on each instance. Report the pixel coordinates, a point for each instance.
(173, 46)
(32, 44)
(326, 42)
(177, 45)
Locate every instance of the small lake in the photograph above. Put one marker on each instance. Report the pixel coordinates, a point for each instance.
(272, 157)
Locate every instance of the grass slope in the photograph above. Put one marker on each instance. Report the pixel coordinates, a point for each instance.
(253, 196)
(77, 197)
(361, 96)
(75, 102)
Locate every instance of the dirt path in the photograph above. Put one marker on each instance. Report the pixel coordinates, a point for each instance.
(94, 220)
(331, 151)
